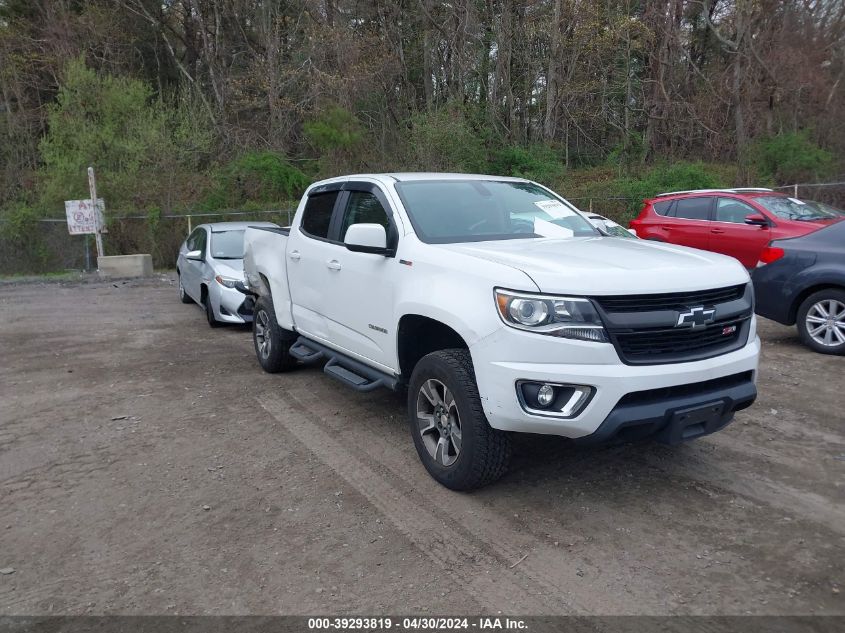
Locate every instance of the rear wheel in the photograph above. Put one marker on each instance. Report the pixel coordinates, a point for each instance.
(456, 444)
(182, 294)
(272, 342)
(821, 321)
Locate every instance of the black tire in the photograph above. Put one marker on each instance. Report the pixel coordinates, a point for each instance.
(275, 357)
(183, 296)
(484, 452)
(209, 312)
(828, 295)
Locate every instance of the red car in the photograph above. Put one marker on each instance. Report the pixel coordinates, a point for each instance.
(735, 222)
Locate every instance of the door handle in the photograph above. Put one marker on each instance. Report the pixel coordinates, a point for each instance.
(717, 231)
(333, 264)
(664, 228)
(294, 255)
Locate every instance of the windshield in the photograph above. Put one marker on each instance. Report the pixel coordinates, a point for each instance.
(795, 209)
(449, 211)
(610, 227)
(227, 244)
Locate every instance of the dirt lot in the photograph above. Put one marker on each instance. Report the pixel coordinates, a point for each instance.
(147, 465)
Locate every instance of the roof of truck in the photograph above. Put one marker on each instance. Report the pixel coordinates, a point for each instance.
(417, 176)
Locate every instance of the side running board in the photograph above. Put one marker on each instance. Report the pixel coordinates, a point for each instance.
(349, 371)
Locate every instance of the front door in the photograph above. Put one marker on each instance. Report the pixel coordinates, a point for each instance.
(360, 291)
(730, 235)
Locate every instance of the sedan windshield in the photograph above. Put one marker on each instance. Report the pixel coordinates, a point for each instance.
(795, 209)
(227, 244)
(449, 211)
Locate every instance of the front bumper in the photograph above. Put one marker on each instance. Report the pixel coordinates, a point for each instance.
(230, 305)
(498, 367)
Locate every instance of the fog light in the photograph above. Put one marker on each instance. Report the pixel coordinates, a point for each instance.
(545, 395)
(556, 400)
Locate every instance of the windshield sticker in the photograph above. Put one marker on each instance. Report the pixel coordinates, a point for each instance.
(554, 208)
(796, 201)
(549, 229)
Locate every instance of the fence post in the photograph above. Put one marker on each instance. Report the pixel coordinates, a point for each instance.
(795, 191)
(591, 205)
(189, 225)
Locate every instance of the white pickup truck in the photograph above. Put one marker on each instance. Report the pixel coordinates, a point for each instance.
(501, 309)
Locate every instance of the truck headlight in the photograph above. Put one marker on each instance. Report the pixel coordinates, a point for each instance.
(228, 282)
(567, 317)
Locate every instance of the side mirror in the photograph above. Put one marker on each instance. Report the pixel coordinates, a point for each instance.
(367, 238)
(632, 232)
(195, 255)
(756, 219)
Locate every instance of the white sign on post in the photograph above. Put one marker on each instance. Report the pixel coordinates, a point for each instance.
(83, 217)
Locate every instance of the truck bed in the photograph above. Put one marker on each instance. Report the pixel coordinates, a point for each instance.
(265, 268)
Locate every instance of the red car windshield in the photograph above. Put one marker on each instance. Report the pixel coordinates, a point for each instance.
(795, 209)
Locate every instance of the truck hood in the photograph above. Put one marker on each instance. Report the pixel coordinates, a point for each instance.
(609, 265)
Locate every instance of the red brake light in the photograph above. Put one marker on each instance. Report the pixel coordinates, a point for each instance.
(770, 254)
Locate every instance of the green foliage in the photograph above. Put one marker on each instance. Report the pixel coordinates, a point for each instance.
(632, 149)
(791, 157)
(137, 145)
(443, 140)
(333, 129)
(663, 178)
(537, 162)
(256, 180)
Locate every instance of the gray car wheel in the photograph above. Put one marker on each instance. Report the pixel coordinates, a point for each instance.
(821, 321)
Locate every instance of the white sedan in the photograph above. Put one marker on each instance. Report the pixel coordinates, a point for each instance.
(210, 266)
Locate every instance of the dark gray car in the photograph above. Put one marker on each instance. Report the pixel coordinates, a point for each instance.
(801, 281)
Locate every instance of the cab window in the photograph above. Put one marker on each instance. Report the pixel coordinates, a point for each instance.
(363, 208)
(317, 215)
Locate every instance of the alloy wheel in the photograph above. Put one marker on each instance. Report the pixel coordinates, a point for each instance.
(825, 322)
(262, 333)
(438, 422)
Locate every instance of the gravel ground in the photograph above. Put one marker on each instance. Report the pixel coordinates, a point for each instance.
(148, 465)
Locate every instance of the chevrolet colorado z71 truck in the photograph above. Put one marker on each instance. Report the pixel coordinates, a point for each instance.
(501, 309)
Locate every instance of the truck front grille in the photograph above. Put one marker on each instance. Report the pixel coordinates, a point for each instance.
(670, 300)
(650, 329)
(660, 345)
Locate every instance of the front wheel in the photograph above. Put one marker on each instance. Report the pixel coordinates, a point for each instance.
(821, 321)
(272, 342)
(209, 313)
(456, 444)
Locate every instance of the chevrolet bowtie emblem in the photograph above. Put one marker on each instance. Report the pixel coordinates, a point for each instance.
(697, 317)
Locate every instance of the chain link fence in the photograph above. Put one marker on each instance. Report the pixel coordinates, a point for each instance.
(49, 248)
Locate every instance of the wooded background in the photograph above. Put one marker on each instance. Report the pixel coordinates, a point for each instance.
(192, 105)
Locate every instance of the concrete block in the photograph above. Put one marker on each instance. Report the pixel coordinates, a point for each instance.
(125, 265)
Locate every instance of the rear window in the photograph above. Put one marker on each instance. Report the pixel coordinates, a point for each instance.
(662, 207)
(317, 216)
(693, 208)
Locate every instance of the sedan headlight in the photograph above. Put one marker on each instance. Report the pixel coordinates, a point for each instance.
(567, 317)
(229, 282)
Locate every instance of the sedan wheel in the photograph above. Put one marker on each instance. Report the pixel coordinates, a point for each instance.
(821, 321)
(826, 322)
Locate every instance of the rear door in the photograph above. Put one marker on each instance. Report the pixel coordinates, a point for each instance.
(311, 247)
(687, 222)
(730, 235)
